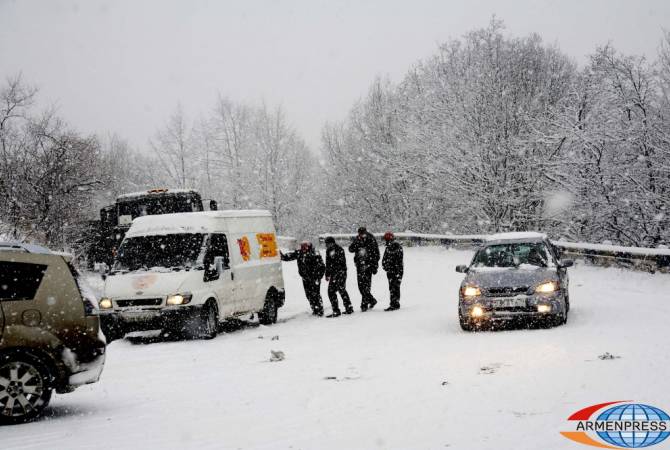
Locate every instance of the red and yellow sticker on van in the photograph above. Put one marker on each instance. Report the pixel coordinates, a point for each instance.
(245, 248)
(267, 246)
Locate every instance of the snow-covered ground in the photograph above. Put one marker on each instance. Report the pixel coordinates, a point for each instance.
(405, 380)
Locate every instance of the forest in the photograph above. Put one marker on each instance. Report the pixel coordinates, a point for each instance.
(491, 133)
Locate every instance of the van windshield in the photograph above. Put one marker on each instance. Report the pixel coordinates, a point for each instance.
(171, 251)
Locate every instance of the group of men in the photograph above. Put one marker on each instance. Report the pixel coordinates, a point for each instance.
(366, 258)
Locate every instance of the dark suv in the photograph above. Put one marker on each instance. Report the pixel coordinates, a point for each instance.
(50, 335)
(514, 276)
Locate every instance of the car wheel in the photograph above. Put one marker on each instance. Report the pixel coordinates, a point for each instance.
(209, 321)
(268, 315)
(24, 388)
(466, 324)
(558, 319)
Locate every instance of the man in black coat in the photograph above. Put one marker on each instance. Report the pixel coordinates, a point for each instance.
(392, 263)
(336, 275)
(366, 257)
(311, 270)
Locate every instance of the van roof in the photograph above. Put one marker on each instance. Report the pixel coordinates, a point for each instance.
(193, 222)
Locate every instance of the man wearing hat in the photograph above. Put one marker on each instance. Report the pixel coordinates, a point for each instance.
(366, 257)
(336, 275)
(311, 269)
(392, 263)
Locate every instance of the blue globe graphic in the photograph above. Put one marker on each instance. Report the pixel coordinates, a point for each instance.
(633, 439)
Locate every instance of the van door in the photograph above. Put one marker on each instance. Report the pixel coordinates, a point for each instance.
(221, 281)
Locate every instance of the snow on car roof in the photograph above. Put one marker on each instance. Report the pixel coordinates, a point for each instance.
(193, 222)
(22, 246)
(155, 192)
(516, 236)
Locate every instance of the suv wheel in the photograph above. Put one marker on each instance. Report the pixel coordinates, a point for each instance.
(24, 388)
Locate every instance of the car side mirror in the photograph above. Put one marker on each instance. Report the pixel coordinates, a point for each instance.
(565, 263)
(462, 268)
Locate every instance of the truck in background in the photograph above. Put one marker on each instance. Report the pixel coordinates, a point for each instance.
(103, 237)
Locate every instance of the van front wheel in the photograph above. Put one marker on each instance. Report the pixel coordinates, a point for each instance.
(268, 315)
(209, 321)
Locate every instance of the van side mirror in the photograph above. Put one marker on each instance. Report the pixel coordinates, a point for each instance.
(462, 268)
(565, 263)
(220, 264)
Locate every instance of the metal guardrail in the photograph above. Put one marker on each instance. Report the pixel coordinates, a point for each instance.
(639, 258)
(286, 242)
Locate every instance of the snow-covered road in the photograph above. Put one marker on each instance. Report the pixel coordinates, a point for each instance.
(408, 380)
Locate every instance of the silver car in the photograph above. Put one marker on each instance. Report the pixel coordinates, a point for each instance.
(514, 276)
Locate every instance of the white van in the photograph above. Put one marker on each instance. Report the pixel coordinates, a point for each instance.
(187, 272)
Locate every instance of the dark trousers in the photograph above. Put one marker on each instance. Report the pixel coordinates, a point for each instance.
(394, 287)
(313, 294)
(338, 284)
(364, 286)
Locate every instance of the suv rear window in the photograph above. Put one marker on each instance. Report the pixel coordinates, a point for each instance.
(20, 281)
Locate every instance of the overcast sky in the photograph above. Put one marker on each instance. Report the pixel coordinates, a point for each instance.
(123, 66)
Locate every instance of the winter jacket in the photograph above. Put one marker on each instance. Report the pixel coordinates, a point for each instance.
(310, 264)
(393, 255)
(366, 253)
(336, 263)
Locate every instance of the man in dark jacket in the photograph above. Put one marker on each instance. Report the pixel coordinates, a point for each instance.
(366, 257)
(311, 270)
(392, 263)
(336, 275)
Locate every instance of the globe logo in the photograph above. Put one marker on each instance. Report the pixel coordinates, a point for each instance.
(637, 437)
(619, 424)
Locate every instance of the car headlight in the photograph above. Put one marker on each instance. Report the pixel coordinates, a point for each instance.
(105, 303)
(547, 288)
(471, 291)
(477, 311)
(178, 299)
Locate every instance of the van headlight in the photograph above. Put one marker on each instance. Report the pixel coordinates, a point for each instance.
(547, 288)
(105, 303)
(178, 299)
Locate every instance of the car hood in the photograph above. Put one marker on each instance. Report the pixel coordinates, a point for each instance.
(145, 284)
(509, 277)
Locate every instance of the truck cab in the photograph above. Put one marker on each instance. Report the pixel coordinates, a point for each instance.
(115, 220)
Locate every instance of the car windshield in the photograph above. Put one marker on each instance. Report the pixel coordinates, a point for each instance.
(515, 255)
(166, 251)
(160, 205)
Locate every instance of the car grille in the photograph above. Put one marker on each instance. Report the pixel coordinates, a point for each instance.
(516, 309)
(140, 302)
(505, 291)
